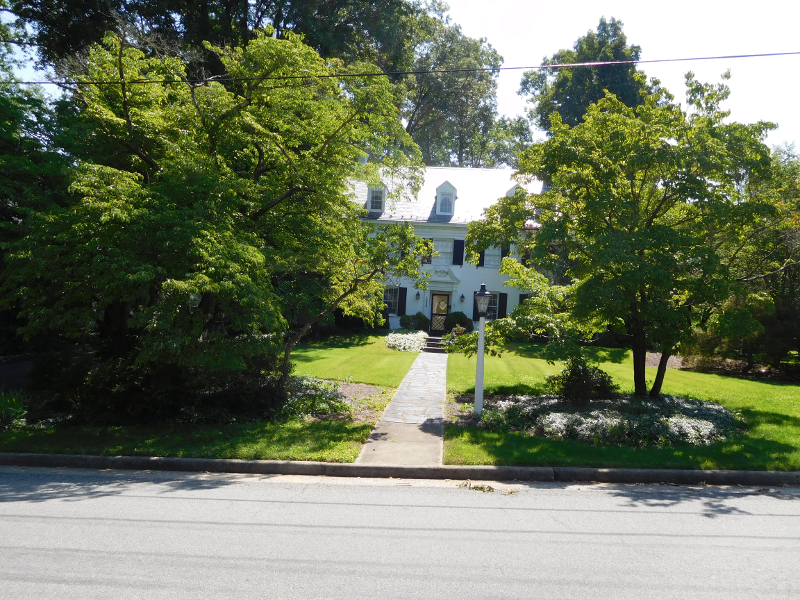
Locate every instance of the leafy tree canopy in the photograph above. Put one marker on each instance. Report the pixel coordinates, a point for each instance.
(636, 194)
(570, 92)
(206, 214)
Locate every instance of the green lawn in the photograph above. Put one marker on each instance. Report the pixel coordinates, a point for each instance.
(329, 441)
(771, 411)
(358, 358)
(364, 359)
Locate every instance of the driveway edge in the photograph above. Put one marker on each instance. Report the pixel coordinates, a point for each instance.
(478, 473)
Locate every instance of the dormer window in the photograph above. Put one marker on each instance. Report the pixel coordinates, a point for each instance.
(446, 203)
(445, 199)
(376, 200)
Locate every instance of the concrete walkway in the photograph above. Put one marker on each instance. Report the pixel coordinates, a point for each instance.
(411, 429)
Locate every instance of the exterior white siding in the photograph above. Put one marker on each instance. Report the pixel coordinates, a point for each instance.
(472, 190)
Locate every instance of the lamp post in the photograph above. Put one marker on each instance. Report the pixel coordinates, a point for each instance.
(482, 304)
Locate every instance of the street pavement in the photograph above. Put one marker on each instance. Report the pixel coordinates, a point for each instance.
(112, 534)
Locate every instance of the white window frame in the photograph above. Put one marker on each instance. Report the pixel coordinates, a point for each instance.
(449, 197)
(494, 304)
(391, 298)
(372, 194)
(446, 190)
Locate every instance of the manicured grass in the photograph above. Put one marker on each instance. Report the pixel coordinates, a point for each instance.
(770, 410)
(361, 359)
(329, 441)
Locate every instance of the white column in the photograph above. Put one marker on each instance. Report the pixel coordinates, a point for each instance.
(479, 371)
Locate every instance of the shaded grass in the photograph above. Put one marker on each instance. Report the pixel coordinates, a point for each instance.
(359, 358)
(329, 441)
(770, 412)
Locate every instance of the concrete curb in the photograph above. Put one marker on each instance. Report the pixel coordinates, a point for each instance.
(478, 473)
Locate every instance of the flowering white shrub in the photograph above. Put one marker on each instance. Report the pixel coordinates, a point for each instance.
(623, 421)
(407, 342)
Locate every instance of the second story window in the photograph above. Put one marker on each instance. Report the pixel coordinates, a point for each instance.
(426, 260)
(376, 200)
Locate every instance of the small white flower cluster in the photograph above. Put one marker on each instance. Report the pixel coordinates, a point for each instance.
(407, 342)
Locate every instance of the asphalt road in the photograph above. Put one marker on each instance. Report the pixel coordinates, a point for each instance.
(88, 534)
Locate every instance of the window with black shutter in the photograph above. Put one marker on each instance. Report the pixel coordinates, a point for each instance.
(502, 305)
(401, 301)
(482, 258)
(505, 251)
(458, 252)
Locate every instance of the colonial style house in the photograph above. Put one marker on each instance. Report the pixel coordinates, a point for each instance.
(449, 199)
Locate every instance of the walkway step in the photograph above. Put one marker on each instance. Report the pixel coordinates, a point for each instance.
(411, 430)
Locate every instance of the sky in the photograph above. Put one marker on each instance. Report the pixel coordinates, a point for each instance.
(762, 89)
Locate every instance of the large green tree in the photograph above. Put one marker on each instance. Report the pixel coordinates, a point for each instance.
(377, 31)
(204, 210)
(452, 116)
(569, 92)
(635, 193)
(762, 251)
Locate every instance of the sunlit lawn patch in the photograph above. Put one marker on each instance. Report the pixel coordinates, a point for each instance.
(361, 359)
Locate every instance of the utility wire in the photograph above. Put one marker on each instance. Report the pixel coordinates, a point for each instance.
(404, 73)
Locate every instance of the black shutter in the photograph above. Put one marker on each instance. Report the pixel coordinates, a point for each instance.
(505, 251)
(475, 315)
(401, 301)
(522, 298)
(482, 258)
(458, 252)
(502, 305)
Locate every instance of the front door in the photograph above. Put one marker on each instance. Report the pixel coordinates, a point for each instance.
(440, 306)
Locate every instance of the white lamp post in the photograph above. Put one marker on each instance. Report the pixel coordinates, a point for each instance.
(482, 304)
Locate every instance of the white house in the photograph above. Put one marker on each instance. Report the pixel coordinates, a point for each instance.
(448, 201)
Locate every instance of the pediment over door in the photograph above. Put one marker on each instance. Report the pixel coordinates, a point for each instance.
(443, 279)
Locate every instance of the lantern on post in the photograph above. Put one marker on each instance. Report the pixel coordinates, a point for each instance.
(482, 299)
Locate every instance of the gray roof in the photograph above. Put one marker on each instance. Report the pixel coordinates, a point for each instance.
(476, 190)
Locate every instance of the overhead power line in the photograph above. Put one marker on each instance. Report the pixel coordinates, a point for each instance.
(404, 73)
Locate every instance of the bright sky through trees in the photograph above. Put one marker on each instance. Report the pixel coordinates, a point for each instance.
(524, 32)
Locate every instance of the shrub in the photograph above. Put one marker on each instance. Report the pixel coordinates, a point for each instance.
(580, 381)
(311, 396)
(407, 342)
(415, 322)
(12, 409)
(460, 319)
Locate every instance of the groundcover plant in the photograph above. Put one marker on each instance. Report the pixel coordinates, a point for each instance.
(624, 421)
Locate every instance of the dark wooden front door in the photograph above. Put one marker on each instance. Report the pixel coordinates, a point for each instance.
(440, 306)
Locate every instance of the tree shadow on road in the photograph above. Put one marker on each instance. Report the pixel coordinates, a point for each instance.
(709, 501)
(18, 484)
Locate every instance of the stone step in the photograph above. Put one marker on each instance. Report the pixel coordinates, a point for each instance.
(434, 349)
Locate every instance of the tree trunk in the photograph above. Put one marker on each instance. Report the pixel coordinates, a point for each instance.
(655, 391)
(292, 341)
(115, 322)
(639, 361)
